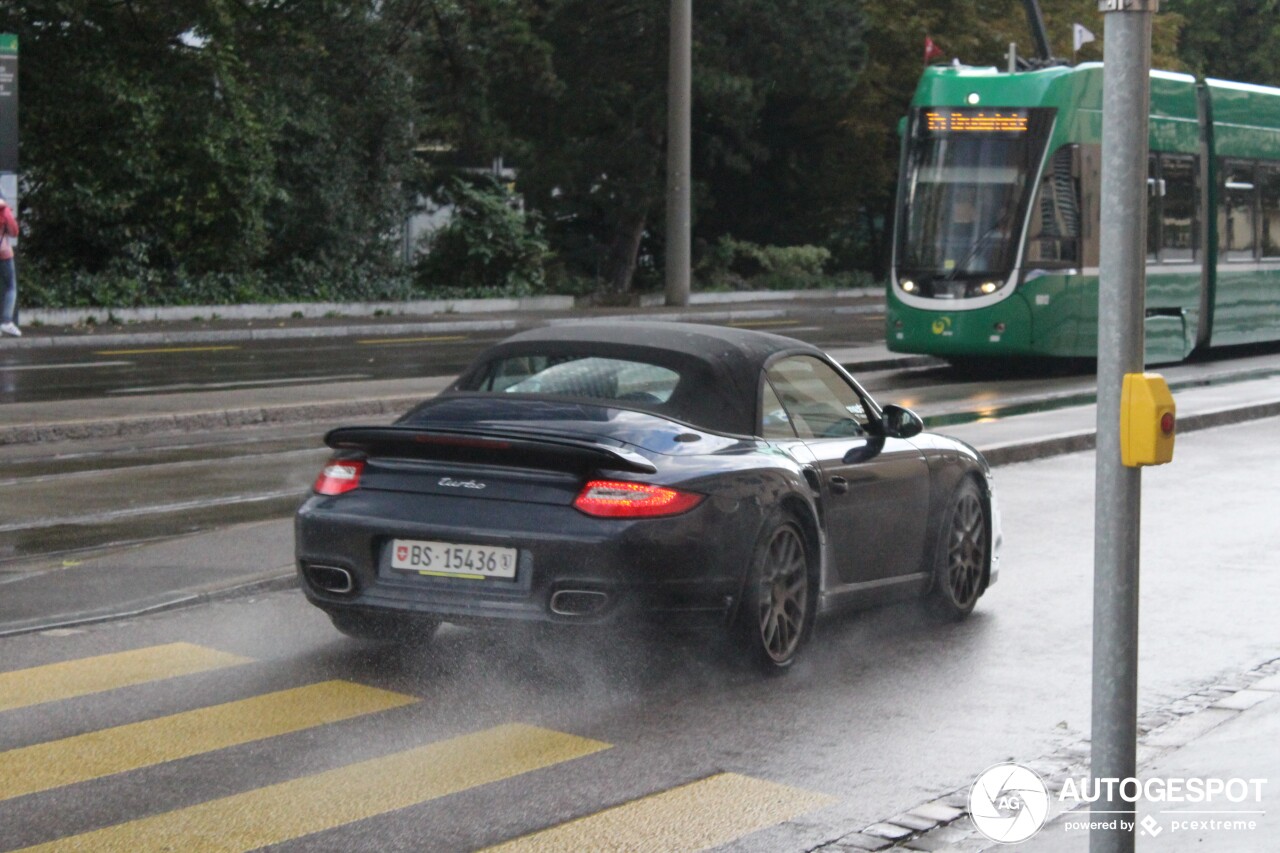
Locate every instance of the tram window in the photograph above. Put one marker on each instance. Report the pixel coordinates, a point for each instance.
(1178, 209)
(1270, 182)
(1171, 208)
(1236, 215)
(1054, 236)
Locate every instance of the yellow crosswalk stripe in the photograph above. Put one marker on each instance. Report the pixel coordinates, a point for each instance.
(69, 679)
(697, 816)
(326, 800)
(129, 747)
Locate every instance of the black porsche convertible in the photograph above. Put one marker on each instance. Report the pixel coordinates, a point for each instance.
(694, 475)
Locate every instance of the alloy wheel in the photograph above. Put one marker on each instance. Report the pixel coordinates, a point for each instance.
(783, 598)
(967, 551)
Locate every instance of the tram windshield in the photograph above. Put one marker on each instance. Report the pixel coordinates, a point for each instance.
(968, 178)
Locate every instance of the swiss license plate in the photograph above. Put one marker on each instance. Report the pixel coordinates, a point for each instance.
(453, 560)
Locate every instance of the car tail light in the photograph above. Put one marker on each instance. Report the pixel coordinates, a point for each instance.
(340, 475)
(623, 499)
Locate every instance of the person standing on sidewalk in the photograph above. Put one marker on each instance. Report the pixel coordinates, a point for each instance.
(8, 270)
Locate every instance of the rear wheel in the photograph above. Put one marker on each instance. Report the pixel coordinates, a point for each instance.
(386, 628)
(962, 555)
(777, 611)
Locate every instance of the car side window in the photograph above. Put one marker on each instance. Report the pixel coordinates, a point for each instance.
(774, 420)
(818, 401)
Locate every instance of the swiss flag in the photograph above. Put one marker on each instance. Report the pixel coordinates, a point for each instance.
(402, 553)
(931, 50)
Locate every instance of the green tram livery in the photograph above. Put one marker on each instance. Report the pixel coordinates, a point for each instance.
(996, 239)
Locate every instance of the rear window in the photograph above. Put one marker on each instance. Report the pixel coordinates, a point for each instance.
(585, 377)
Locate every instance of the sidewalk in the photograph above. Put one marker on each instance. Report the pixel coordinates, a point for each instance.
(1235, 738)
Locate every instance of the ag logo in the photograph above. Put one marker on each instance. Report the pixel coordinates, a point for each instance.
(1008, 803)
(942, 326)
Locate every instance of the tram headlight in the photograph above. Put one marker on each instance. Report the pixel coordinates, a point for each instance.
(989, 287)
(908, 285)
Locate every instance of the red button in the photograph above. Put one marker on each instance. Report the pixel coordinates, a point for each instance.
(1166, 423)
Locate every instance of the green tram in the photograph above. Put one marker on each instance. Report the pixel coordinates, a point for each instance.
(996, 239)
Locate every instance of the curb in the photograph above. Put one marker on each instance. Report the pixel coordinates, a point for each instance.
(317, 310)
(428, 310)
(112, 338)
(273, 581)
(296, 310)
(195, 421)
(1028, 451)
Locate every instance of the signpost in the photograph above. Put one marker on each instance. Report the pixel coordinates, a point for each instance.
(8, 103)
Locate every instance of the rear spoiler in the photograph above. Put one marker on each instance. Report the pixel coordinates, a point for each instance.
(487, 447)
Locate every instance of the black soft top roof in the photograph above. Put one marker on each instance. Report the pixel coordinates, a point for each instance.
(720, 367)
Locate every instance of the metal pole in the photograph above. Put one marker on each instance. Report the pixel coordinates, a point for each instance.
(679, 109)
(1038, 32)
(1121, 289)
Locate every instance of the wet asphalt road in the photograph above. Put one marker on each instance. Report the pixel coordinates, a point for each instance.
(885, 712)
(111, 369)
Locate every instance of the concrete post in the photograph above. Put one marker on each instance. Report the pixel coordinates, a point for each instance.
(679, 110)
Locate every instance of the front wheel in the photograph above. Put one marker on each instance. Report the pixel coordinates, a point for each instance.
(962, 555)
(778, 607)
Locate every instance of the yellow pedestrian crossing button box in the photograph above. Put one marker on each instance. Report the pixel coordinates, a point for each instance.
(1148, 418)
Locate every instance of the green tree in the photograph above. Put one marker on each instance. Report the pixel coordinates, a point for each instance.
(766, 73)
(1229, 39)
(595, 159)
(775, 82)
(139, 147)
(332, 77)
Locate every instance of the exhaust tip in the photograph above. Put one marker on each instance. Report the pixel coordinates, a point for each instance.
(578, 602)
(330, 579)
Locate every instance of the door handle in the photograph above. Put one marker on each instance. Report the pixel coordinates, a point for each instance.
(839, 485)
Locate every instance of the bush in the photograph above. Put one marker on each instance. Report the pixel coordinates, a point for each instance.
(732, 264)
(489, 246)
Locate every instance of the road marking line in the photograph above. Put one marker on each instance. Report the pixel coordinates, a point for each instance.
(143, 744)
(79, 365)
(431, 339)
(336, 797)
(748, 324)
(245, 383)
(164, 350)
(69, 679)
(697, 816)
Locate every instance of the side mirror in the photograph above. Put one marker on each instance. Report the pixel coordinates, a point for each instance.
(900, 422)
